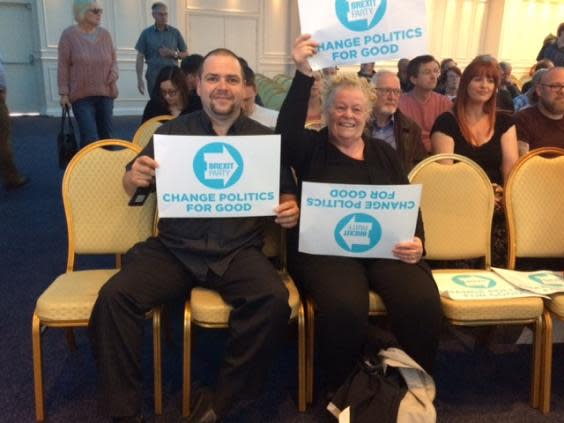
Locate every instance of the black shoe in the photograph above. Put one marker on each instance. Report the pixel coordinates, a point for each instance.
(129, 419)
(203, 412)
(17, 183)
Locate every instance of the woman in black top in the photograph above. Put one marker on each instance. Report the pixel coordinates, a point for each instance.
(474, 129)
(339, 286)
(171, 96)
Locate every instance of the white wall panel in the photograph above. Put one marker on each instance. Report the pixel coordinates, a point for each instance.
(276, 26)
(242, 38)
(130, 20)
(225, 6)
(205, 33)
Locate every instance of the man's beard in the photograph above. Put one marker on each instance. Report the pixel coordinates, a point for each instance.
(222, 112)
(555, 108)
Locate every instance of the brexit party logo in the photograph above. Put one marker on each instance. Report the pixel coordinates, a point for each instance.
(218, 165)
(360, 15)
(474, 281)
(547, 279)
(358, 232)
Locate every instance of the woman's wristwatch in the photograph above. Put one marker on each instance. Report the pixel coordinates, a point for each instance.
(176, 55)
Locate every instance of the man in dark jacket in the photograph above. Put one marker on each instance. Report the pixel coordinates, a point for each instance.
(391, 125)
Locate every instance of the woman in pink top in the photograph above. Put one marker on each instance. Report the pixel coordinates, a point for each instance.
(87, 72)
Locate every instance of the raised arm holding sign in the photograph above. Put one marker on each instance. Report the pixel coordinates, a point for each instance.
(339, 286)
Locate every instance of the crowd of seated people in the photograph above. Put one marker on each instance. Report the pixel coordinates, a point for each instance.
(369, 128)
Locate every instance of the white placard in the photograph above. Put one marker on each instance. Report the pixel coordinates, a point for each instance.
(361, 31)
(357, 220)
(544, 282)
(211, 176)
(478, 285)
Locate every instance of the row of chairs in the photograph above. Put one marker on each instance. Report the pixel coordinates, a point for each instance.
(457, 206)
(99, 221)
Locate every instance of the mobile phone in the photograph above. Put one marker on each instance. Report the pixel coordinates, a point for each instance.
(140, 196)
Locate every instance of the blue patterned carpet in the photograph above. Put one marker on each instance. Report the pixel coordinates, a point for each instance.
(474, 384)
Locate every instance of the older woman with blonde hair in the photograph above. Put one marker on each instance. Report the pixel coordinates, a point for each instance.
(87, 72)
(339, 286)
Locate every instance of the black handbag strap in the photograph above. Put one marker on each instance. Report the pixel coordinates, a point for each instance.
(66, 118)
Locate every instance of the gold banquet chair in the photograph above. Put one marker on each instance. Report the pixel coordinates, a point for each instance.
(534, 201)
(144, 133)
(457, 205)
(207, 309)
(99, 221)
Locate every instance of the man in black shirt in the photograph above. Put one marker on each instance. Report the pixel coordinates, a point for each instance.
(221, 254)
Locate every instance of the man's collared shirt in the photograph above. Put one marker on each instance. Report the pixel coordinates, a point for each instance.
(386, 133)
(151, 40)
(203, 244)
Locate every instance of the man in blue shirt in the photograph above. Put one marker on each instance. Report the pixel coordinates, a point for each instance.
(159, 45)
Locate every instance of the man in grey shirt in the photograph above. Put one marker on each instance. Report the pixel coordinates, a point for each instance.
(159, 45)
(10, 175)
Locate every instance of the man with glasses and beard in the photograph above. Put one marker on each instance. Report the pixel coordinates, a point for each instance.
(391, 125)
(543, 124)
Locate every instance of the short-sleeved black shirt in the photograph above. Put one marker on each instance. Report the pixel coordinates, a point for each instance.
(204, 243)
(487, 155)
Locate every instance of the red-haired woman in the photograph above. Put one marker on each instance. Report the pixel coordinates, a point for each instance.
(476, 130)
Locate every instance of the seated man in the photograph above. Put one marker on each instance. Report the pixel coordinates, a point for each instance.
(543, 124)
(190, 65)
(221, 254)
(261, 114)
(391, 125)
(422, 104)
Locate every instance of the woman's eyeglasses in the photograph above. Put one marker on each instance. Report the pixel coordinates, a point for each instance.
(96, 11)
(169, 93)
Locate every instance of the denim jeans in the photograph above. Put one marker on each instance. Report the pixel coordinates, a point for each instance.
(94, 118)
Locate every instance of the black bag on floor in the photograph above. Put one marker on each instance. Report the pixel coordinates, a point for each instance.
(66, 141)
(387, 386)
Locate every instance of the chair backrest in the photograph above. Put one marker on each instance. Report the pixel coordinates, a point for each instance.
(144, 133)
(99, 220)
(534, 202)
(457, 204)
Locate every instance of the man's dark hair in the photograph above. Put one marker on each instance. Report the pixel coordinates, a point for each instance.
(191, 64)
(249, 75)
(416, 62)
(221, 52)
(560, 29)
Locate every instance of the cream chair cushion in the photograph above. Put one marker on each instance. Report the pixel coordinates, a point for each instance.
(208, 308)
(72, 295)
(557, 305)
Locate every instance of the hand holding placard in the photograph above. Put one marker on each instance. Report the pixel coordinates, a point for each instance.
(304, 48)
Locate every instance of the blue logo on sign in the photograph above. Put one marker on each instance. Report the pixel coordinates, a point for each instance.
(546, 278)
(218, 165)
(360, 15)
(474, 281)
(358, 232)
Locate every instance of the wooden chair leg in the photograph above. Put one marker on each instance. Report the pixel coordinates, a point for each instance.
(37, 368)
(310, 349)
(157, 361)
(546, 374)
(302, 379)
(186, 361)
